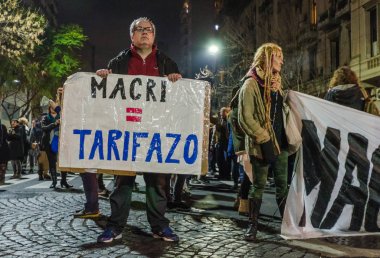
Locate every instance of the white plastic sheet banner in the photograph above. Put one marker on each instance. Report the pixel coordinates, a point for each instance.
(134, 123)
(336, 188)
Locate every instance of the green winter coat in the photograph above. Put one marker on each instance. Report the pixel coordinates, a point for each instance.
(252, 119)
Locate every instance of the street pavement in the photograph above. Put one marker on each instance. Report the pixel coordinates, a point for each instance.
(36, 221)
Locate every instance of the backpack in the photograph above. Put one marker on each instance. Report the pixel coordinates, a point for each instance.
(237, 132)
(370, 105)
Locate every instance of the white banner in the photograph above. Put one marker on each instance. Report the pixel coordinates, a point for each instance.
(336, 188)
(134, 123)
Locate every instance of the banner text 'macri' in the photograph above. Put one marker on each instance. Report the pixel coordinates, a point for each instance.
(136, 89)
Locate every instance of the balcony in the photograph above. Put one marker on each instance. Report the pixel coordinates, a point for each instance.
(373, 62)
(343, 10)
(308, 35)
(327, 20)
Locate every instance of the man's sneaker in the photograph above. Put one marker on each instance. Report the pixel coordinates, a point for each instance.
(108, 236)
(167, 235)
(83, 214)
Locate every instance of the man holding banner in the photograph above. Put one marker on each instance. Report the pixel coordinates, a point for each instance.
(142, 58)
(261, 118)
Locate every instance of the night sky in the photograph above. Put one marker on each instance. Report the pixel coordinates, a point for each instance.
(106, 23)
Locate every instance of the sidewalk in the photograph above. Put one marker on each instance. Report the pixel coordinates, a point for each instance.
(217, 198)
(40, 223)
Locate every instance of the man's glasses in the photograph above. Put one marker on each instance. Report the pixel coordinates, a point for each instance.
(146, 29)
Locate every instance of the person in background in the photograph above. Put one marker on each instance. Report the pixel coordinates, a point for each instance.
(4, 152)
(49, 143)
(344, 89)
(23, 121)
(90, 187)
(235, 166)
(220, 143)
(91, 180)
(93, 186)
(35, 141)
(238, 147)
(212, 151)
(16, 147)
(261, 118)
(142, 58)
(42, 159)
(175, 189)
(33, 150)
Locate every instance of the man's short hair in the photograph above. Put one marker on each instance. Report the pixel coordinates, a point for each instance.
(134, 23)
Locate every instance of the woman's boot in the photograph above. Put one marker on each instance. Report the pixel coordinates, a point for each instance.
(40, 177)
(64, 180)
(54, 178)
(244, 207)
(254, 209)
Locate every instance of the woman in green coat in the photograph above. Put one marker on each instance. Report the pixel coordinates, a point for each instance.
(260, 117)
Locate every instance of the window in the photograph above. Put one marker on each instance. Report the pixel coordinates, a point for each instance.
(314, 14)
(312, 63)
(186, 6)
(334, 54)
(373, 31)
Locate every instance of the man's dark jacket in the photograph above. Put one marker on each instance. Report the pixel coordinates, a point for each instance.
(119, 64)
(16, 144)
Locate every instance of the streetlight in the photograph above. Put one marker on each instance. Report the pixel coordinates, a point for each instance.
(213, 49)
(214, 52)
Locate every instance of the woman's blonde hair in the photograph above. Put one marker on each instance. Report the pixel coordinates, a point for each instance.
(23, 120)
(263, 60)
(343, 75)
(263, 56)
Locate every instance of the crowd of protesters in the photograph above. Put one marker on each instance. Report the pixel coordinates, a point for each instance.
(34, 149)
(16, 147)
(247, 141)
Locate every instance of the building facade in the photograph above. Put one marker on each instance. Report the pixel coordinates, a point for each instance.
(317, 37)
(186, 39)
(365, 58)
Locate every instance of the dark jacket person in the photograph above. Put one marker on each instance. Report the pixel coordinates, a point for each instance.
(4, 152)
(142, 58)
(344, 89)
